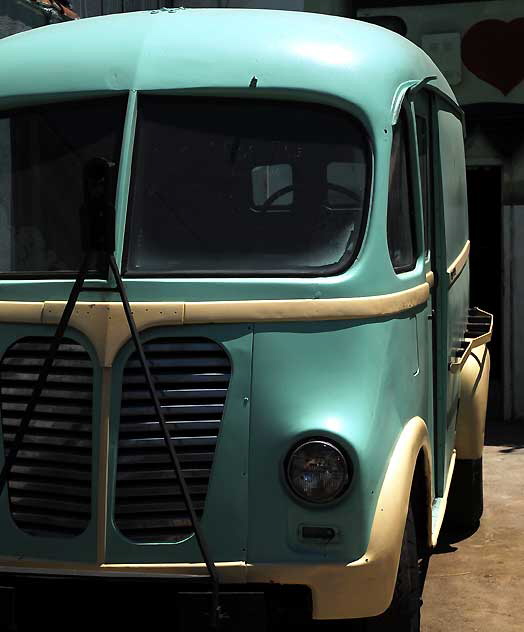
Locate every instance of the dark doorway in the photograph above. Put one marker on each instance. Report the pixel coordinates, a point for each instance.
(485, 229)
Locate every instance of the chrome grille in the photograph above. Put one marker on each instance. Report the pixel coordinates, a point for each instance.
(192, 377)
(50, 482)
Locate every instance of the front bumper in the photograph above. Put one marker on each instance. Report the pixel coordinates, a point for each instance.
(337, 591)
(59, 602)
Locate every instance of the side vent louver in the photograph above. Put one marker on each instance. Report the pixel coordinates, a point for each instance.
(50, 482)
(192, 377)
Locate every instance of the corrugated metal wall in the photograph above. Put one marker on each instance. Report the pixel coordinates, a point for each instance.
(89, 8)
(16, 17)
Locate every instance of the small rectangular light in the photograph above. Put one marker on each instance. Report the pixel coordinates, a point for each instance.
(326, 534)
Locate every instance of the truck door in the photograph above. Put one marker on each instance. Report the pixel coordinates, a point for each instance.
(428, 328)
(455, 278)
(443, 185)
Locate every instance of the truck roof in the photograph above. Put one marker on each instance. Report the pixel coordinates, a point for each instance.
(217, 49)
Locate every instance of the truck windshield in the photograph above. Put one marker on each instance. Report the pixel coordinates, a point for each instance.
(231, 187)
(43, 151)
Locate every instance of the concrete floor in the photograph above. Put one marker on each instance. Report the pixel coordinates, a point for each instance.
(477, 584)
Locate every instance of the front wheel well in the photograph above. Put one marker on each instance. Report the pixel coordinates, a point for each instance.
(421, 503)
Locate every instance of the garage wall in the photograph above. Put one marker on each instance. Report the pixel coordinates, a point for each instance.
(22, 15)
(19, 16)
(89, 8)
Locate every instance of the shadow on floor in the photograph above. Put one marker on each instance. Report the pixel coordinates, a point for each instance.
(505, 433)
(452, 535)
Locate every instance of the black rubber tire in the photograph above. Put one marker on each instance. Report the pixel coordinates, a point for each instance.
(466, 496)
(403, 615)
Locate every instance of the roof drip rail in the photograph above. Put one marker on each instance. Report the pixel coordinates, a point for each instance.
(411, 88)
(421, 84)
(408, 89)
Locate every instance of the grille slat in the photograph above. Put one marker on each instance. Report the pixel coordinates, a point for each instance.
(182, 362)
(43, 440)
(41, 424)
(58, 458)
(38, 523)
(48, 394)
(173, 410)
(11, 409)
(64, 506)
(147, 491)
(159, 506)
(55, 474)
(155, 522)
(145, 428)
(159, 475)
(183, 377)
(72, 380)
(162, 458)
(178, 394)
(50, 482)
(150, 443)
(51, 488)
(192, 378)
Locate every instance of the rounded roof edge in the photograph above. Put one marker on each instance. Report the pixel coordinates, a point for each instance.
(214, 48)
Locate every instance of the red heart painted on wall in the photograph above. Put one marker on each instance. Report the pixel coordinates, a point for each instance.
(493, 50)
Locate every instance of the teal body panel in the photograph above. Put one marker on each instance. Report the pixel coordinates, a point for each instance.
(296, 395)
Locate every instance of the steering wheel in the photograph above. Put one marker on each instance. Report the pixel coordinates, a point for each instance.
(341, 189)
(274, 196)
(290, 188)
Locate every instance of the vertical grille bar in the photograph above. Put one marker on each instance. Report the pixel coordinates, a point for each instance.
(192, 377)
(50, 482)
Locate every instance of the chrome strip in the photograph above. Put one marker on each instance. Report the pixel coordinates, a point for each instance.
(456, 267)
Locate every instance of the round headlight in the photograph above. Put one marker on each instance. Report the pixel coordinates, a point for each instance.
(317, 471)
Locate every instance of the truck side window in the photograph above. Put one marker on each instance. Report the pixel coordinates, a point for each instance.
(454, 190)
(400, 228)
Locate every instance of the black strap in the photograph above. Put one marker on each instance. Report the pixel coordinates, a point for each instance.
(44, 372)
(211, 568)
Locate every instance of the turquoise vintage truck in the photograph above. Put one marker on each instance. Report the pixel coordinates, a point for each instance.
(292, 234)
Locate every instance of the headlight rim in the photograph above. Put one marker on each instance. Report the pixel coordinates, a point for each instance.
(311, 503)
